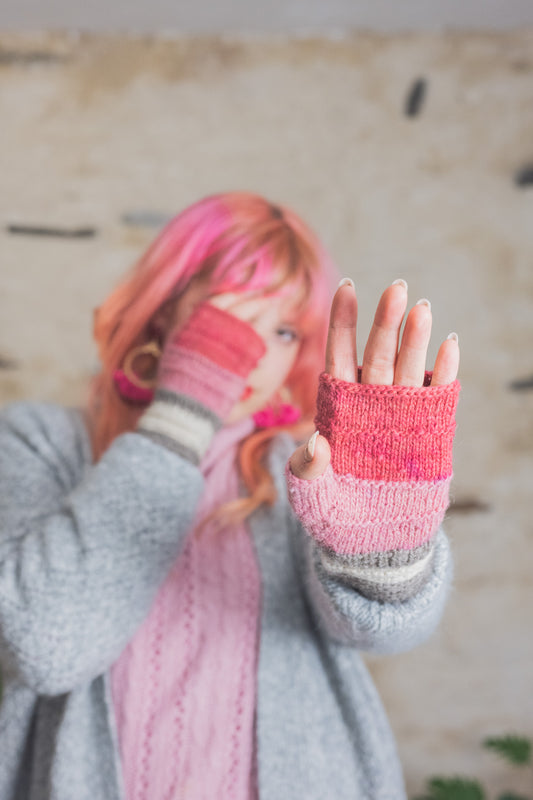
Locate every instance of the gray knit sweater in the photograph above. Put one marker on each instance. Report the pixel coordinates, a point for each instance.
(83, 551)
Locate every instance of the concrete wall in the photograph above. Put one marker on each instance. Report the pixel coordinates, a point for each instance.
(102, 131)
(275, 16)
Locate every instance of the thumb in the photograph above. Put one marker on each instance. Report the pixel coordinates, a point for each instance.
(310, 460)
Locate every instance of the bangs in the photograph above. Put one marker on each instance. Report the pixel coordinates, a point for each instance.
(276, 262)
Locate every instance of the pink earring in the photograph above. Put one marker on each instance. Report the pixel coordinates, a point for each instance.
(276, 413)
(129, 385)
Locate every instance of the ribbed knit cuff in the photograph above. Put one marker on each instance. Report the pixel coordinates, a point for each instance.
(375, 511)
(392, 433)
(350, 516)
(223, 339)
(202, 374)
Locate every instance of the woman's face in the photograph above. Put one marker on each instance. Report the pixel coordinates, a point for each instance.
(274, 318)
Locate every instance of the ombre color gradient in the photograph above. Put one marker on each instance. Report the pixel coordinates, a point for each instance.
(382, 499)
(236, 241)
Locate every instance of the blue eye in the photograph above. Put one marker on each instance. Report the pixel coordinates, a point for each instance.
(287, 334)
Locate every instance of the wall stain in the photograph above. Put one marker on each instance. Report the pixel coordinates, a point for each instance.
(416, 96)
(96, 64)
(521, 384)
(8, 363)
(53, 232)
(25, 51)
(524, 176)
(29, 58)
(469, 505)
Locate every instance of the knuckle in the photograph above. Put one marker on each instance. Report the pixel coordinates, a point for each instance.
(379, 364)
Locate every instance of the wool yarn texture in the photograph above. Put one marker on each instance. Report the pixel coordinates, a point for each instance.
(202, 374)
(382, 499)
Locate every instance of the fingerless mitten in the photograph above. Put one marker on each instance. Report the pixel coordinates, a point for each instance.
(384, 495)
(202, 374)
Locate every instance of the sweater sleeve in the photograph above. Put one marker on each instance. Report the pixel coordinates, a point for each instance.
(373, 516)
(83, 549)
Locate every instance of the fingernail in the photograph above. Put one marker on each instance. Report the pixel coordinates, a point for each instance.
(346, 282)
(423, 302)
(309, 453)
(453, 336)
(400, 282)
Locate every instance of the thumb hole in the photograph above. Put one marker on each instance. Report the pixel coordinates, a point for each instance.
(310, 460)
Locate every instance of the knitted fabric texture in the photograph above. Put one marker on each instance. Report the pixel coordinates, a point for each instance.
(202, 374)
(85, 550)
(388, 432)
(270, 416)
(184, 690)
(381, 500)
(218, 335)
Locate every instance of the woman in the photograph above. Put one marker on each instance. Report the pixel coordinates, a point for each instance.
(183, 594)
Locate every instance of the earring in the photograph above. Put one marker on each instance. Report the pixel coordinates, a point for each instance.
(130, 386)
(277, 412)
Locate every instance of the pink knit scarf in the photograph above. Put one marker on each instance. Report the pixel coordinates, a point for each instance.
(184, 689)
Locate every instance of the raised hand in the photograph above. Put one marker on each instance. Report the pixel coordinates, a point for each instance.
(387, 360)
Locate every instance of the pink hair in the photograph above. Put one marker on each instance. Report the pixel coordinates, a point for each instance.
(234, 242)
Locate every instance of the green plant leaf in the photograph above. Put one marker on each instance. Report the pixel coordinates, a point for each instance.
(516, 749)
(455, 789)
(512, 796)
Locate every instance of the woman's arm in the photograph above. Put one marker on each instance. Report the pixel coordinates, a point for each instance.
(373, 500)
(379, 626)
(81, 556)
(84, 551)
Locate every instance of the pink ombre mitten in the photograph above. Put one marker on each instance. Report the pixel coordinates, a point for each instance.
(376, 509)
(202, 374)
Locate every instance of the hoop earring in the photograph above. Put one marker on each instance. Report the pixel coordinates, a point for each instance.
(129, 385)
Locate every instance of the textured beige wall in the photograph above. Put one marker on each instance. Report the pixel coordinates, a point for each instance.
(94, 128)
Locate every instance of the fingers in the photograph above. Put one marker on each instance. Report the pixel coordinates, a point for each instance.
(381, 351)
(341, 349)
(411, 361)
(311, 460)
(447, 362)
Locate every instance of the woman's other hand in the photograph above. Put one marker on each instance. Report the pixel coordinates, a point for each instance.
(388, 358)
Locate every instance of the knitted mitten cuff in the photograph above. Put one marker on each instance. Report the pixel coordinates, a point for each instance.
(202, 374)
(352, 516)
(391, 433)
(375, 510)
